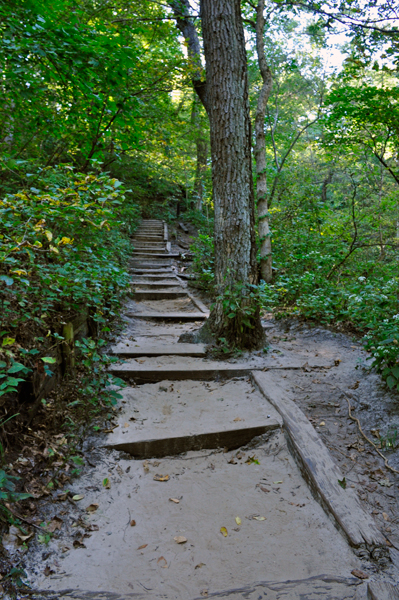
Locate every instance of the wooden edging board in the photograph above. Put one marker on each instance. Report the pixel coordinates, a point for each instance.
(321, 472)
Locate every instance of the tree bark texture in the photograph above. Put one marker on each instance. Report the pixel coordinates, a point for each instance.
(260, 149)
(230, 126)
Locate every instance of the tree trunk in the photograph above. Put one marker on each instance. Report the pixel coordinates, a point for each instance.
(260, 150)
(235, 315)
(201, 144)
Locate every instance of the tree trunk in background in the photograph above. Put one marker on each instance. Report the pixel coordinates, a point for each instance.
(260, 149)
(228, 110)
(201, 144)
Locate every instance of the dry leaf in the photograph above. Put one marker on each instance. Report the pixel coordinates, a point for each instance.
(132, 523)
(223, 531)
(238, 520)
(180, 539)
(359, 574)
(386, 517)
(322, 423)
(24, 538)
(199, 565)
(162, 562)
(258, 518)
(56, 523)
(161, 477)
(175, 500)
(78, 497)
(92, 507)
(237, 419)
(142, 547)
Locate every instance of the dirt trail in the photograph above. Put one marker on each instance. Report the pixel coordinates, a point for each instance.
(198, 492)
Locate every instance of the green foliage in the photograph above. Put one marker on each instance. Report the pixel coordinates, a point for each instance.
(64, 245)
(204, 259)
(97, 385)
(383, 343)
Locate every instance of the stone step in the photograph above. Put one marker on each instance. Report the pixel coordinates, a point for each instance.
(154, 272)
(151, 285)
(142, 373)
(158, 295)
(170, 316)
(150, 250)
(145, 265)
(157, 277)
(139, 253)
(132, 349)
(182, 417)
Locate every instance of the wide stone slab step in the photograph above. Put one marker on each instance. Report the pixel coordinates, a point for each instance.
(158, 421)
(139, 253)
(142, 373)
(151, 285)
(158, 295)
(171, 316)
(132, 350)
(144, 266)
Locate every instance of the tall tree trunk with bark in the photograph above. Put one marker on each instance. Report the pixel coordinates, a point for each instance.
(260, 149)
(235, 315)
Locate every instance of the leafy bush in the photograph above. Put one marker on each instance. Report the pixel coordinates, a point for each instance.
(383, 343)
(204, 258)
(64, 246)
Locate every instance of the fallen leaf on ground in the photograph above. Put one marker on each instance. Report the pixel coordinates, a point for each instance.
(78, 544)
(322, 422)
(126, 425)
(175, 500)
(107, 483)
(146, 467)
(278, 481)
(199, 565)
(56, 523)
(162, 562)
(142, 547)
(48, 571)
(92, 507)
(232, 461)
(359, 574)
(386, 517)
(238, 520)
(24, 538)
(132, 523)
(161, 477)
(237, 419)
(258, 518)
(78, 497)
(180, 539)
(223, 531)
